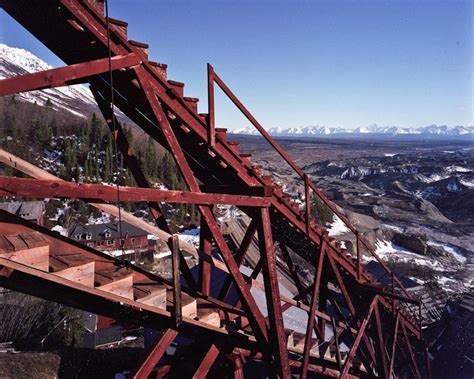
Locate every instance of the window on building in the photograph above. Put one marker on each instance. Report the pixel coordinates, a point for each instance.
(132, 241)
(110, 242)
(78, 237)
(108, 234)
(90, 244)
(88, 236)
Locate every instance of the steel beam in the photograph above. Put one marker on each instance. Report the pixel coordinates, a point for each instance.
(272, 293)
(207, 362)
(158, 350)
(254, 314)
(394, 345)
(205, 245)
(239, 256)
(64, 76)
(360, 333)
(311, 313)
(38, 173)
(173, 243)
(210, 104)
(129, 158)
(43, 188)
(414, 365)
(381, 343)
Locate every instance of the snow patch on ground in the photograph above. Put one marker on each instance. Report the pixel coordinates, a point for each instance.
(467, 183)
(190, 236)
(393, 227)
(457, 169)
(119, 253)
(386, 247)
(388, 250)
(103, 219)
(59, 229)
(454, 251)
(338, 227)
(432, 178)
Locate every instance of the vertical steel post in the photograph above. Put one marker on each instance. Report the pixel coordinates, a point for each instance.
(205, 244)
(358, 254)
(174, 247)
(307, 203)
(394, 345)
(393, 291)
(277, 338)
(210, 105)
(336, 342)
(315, 299)
(382, 361)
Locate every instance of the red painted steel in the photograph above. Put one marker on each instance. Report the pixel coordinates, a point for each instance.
(272, 292)
(156, 353)
(239, 256)
(394, 345)
(311, 314)
(360, 334)
(380, 340)
(64, 76)
(207, 362)
(36, 188)
(202, 155)
(210, 102)
(205, 245)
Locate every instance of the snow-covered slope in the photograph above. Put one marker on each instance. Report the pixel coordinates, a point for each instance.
(430, 131)
(76, 99)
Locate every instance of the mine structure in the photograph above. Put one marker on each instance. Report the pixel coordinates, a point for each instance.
(355, 326)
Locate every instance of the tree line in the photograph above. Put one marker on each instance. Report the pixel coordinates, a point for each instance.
(84, 151)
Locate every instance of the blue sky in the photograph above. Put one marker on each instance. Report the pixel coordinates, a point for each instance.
(298, 63)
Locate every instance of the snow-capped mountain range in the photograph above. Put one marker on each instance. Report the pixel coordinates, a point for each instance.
(79, 101)
(430, 131)
(76, 99)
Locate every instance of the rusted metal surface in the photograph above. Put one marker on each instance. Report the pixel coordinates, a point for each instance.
(215, 173)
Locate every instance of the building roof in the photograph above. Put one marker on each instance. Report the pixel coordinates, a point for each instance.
(29, 210)
(97, 232)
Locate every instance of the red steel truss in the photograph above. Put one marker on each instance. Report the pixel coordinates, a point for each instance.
(354, 325)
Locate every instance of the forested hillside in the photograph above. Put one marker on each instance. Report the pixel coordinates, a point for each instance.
(84, 151)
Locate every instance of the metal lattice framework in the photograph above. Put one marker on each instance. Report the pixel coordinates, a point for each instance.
(355, 326)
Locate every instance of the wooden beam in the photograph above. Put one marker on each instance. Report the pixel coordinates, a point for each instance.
(36, 172)
(41, 188)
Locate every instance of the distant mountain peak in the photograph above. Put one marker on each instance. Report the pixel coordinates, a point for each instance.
(372, 130)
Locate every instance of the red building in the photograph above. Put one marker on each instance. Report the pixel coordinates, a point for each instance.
(107, 236)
